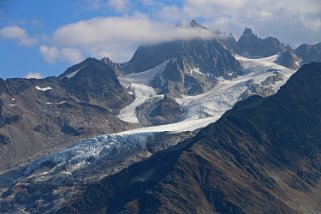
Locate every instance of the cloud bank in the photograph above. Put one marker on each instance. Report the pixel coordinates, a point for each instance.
(17, 33)
(34, 75)
(292, 21)
(53, 54)
(118, 37)
(149, 21)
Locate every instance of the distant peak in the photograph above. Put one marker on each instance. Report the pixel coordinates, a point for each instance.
(106, 60)
(195, 24)
(89, 60)
(247, 31)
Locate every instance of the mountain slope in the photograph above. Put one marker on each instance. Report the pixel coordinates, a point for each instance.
(95, 81)
(37, 115)
(263, 155)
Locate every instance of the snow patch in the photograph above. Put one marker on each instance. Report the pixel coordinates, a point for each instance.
(196, 70)
(73, 74)
(62, 102)
(144, 77)
(49, 103)
(43, 89)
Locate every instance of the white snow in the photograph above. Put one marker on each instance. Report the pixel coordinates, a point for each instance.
(62, 102)
(205, 107)
(196, 70)
(139, 84)
(73, 74)
(226, 93)
(144, 77)
(142, 93)
(43, 89)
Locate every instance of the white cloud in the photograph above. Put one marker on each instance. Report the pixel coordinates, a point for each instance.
(17, 33)
(71, 55)
(53, 54)
(34, 75)
(120, 36)
(211, 4)
(292, 21)
(119, 5)
(50, 54)
(314, 24)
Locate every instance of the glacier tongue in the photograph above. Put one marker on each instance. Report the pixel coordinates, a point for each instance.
(65, 172)
(86, 155)
(139, 84)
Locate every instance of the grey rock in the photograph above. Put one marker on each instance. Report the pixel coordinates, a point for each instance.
(272, 79)
(288, 58)
(160, 111)
(309, 53)
(251, 45)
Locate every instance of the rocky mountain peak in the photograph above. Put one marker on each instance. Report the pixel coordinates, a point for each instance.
(96, 80)
(251, 45)
(248, 31)
(106, 60)
(111, 64)
(195, 24)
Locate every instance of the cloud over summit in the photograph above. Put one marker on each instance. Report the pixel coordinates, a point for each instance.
(121, 35)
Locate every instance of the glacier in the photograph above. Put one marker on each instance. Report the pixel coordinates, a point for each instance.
(65, 171)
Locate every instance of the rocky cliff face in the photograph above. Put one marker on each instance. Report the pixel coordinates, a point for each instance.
(263, 155)
(39, 115)
(309, 53)
(288, 58)
(160, 111)
(253, 46)
(95, 81)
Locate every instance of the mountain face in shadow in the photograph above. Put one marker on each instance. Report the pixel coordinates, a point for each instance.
(309, 53)
(262, 155)
(252, 45)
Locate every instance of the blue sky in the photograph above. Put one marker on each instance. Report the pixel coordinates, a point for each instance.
(42, 38)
